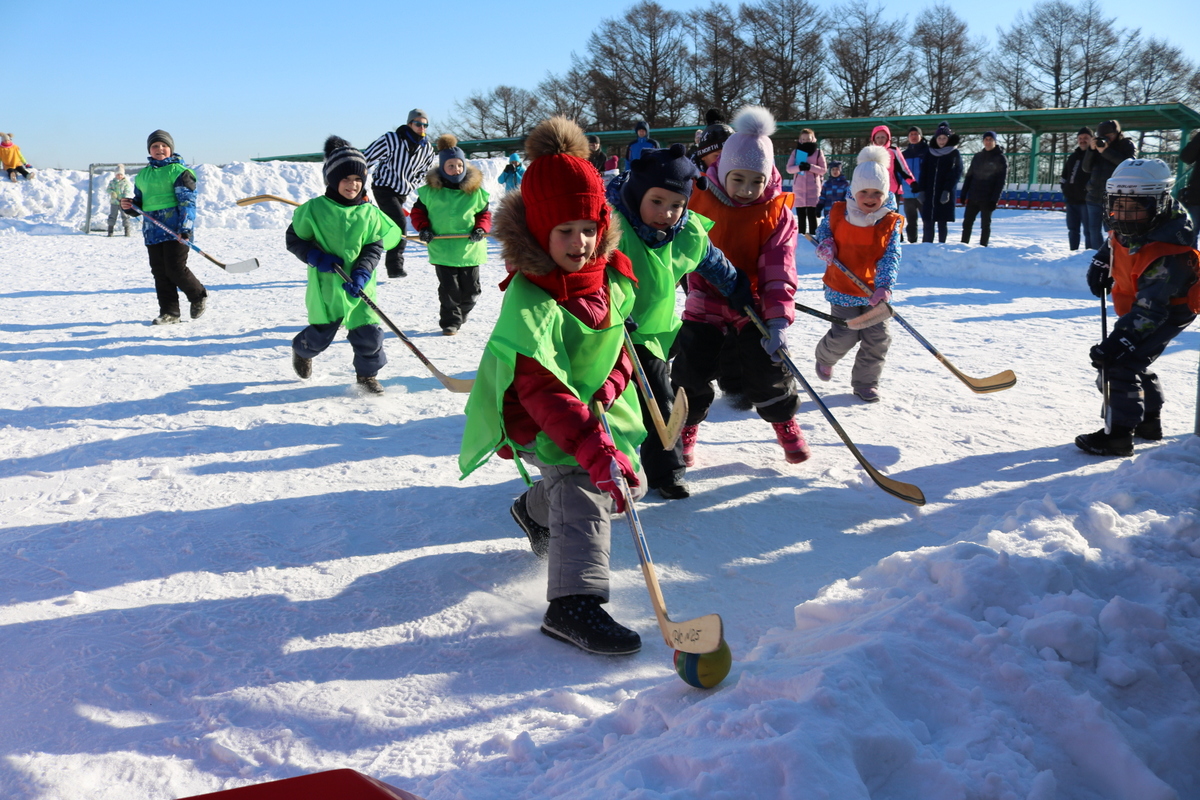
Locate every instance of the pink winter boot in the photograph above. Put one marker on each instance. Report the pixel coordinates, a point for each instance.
(791, 439)
(688, 435)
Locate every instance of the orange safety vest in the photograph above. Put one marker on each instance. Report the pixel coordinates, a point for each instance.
(1128, 267)
(858, 248)
(740, 232)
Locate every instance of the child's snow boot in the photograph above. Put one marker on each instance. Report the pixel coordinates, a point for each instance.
(578, 619)
(674, 491)
(1149, 428)
(868, 394)
(539, 535)
(369, 384)
(196, 309)
(165, 319)
(824, 371)
(688, 435)
(1102, 443)
(302, 365)
(791, 439)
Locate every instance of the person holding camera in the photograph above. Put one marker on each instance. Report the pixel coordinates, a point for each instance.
(1109, 148)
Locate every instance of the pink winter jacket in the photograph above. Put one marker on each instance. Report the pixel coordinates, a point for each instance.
(776, 266)
(898, 183)
(807, 184)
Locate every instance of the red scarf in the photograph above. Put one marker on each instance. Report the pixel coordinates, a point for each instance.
(562, 286)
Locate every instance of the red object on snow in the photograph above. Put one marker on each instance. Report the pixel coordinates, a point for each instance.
(337, 784)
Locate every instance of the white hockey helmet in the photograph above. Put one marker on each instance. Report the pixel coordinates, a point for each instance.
(1146, 180)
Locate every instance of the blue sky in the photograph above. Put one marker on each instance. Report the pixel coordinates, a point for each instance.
(87, 82)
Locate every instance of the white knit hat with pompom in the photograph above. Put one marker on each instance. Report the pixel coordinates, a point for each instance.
(872, 170)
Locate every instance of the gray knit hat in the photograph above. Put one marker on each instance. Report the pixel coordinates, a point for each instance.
(160, 136)
(415, 114)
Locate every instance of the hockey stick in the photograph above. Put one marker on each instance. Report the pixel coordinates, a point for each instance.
(668, 432)
(458, 385)
(873, 317)
(700, 635)
(239, 267)
(994, 383)
(263, 198)
(905, 491)
(1104, 372)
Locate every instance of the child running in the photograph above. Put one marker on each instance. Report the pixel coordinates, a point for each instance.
(341, 228)
(452, 202)
(556, 349)
(166, 191)
(665, 241)
(755, 228)
(863, 233)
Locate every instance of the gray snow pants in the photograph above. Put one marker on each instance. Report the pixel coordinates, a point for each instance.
(579, 517)
(873, 343)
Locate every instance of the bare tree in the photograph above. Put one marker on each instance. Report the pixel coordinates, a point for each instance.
(504, 112)
(869, 62)
(1102, 49)
(1014, 87)
(568, 95)
(949, 61)
(787, 56)
(719, 63)
(470, 117)
(636, 69)
(1158, 72)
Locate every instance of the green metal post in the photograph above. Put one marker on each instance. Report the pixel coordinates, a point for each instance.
(1035, 150)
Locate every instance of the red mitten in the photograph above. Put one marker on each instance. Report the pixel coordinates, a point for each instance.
(601, 458)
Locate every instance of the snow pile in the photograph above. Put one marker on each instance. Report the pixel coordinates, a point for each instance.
(56, 200)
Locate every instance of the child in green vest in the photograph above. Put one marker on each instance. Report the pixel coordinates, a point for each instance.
(556, 349)
(166, 191)
(666, 241)
(341, 228)
(453, 203)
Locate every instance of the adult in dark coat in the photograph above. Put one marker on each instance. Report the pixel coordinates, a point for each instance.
(1074, 184)
(913, 155)
(1190, 197)
(982, 187)
(940, 170)
(1109, 148)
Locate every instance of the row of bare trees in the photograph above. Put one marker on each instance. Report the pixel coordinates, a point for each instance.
(802, 62)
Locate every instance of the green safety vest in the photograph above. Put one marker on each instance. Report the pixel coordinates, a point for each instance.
(342, 231)
(658, 270)
(453, 211)
(157, 185)
(532, 324)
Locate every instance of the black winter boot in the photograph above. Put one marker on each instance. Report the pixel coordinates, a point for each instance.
(1102, 443)
(539, 535)
(370, 384)
(578, 619)
(302, 365)
(1149, 428)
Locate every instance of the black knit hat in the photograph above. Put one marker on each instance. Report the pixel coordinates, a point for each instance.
(1084, 130)
(1108, 126)
(669, 169)
(342, 161)
(918, 130)
(160, 136)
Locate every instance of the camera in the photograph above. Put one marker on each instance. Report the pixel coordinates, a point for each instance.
(1101, 142)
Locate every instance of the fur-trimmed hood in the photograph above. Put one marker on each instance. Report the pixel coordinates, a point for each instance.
(521, 251)
(472, 179)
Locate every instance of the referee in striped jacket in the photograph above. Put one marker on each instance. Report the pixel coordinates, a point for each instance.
(399, 160)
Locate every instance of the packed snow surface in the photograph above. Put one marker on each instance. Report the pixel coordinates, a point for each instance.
(213, 573)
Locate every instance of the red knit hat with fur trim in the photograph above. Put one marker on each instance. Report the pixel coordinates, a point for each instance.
(560, 185)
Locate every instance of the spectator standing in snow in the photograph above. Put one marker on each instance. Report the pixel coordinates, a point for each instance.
(940, 170)
(634, 149)
(510, 176)
(982, 187)
(596, 154)
(453, 202)
(913, 155)
(341, 228)
(399, 160)
(1109, 148)
(1191, 193)
(119, 188)
(807, 163)
(166, 191)
(898, 173)
(13, 159)
(1074, 184)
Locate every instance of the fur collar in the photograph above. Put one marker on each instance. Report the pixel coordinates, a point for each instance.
(520, 250)
(472, 179)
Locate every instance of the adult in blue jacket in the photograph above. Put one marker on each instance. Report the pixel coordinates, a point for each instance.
(634, 149)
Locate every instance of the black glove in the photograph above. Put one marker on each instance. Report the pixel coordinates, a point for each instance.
(1111, 350)
(741, 295)
(477, 235)
(1099, 277)
(425, 235)
(804, 166)
(185, 235)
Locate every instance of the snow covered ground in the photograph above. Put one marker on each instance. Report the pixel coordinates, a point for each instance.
(214, 574)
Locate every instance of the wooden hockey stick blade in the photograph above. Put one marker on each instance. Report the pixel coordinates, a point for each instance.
(905, 491)
(993, 383)
(698, 636)
(264, 198)
(679, 413)
(873, 317)
(456, 385)
(643, 385)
